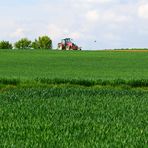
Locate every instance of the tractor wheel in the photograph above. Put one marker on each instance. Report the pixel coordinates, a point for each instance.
(79, 48)
(67, 47)
(60, 48)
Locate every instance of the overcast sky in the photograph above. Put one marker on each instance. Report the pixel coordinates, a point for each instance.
(111, 23)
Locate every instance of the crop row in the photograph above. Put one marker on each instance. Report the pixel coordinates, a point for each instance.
(82, 82)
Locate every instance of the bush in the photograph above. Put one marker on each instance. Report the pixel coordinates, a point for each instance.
(23, 43)
(43, 42)
(5, 45)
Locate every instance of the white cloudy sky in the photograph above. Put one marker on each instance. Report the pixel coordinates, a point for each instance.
(112, 23)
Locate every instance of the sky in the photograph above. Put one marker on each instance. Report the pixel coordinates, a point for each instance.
(93, 24)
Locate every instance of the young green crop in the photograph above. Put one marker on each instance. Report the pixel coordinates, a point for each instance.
(73, 99)
(106, 65)
(73, 117)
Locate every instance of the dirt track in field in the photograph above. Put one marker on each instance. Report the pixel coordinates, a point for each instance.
(130, 50)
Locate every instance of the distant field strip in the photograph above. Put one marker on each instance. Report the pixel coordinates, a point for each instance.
(131, 50)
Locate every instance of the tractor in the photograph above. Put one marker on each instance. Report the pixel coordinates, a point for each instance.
(67, 44)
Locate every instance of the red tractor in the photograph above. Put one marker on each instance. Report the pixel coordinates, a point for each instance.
(67, 44)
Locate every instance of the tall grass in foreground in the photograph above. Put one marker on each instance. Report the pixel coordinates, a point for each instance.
(73, 117)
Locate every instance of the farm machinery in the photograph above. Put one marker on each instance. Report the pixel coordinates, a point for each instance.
(67, 44)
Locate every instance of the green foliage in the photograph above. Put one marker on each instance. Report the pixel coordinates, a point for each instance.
(5, 45)
(23, 43)
(43, 42)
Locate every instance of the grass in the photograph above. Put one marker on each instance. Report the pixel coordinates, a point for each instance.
(73, 99)
(73, 117)
(91, 65)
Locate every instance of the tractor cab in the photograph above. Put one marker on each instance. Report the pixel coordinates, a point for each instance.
(67, 40)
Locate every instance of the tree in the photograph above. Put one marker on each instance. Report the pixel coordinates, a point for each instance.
(23, 43)
(35, 45)
(5, 45)
(43, 42)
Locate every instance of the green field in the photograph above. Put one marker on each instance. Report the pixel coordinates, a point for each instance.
(73, 99)
(73, 65)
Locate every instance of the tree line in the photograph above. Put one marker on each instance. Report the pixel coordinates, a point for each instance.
(43, 42)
